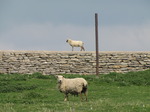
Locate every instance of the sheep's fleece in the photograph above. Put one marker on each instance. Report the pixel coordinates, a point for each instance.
(75, 43)
(73, 86)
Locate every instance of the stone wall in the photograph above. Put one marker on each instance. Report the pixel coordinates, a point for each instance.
(48, 62)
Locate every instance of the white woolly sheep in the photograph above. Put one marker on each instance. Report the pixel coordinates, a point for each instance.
(74, 43)
(73, 86)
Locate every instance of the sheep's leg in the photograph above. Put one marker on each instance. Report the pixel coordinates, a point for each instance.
(82, 48)
(81, 96)
(72, 48)
(66, 97)
(85, 94)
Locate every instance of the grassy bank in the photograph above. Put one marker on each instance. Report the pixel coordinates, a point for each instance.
(114, 92)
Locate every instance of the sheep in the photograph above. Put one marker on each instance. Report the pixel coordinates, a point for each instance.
(73, 86)
(74, 43)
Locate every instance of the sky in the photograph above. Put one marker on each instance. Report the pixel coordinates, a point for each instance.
(124, 25)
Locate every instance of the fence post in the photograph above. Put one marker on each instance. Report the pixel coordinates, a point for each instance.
(96, 41)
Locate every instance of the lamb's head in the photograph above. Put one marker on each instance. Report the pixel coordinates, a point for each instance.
(59, 78)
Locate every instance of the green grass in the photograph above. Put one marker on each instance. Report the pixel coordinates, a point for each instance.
(114, 92)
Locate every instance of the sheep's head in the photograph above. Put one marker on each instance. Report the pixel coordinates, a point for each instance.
(67, 40)
(59, 78)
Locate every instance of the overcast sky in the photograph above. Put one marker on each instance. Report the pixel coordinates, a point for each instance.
(124, 25)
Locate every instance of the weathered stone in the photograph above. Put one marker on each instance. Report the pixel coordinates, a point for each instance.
(48, 62)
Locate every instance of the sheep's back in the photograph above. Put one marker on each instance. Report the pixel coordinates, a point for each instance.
(77, 43)
(75, 84)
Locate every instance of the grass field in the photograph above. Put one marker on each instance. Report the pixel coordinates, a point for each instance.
(114, 92)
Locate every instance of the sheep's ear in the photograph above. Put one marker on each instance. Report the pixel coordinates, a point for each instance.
(56, 76)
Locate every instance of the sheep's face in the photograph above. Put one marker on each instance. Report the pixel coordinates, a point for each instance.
(59, 78)
(68, 40)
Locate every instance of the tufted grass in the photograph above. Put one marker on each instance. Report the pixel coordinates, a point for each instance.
(113, 92)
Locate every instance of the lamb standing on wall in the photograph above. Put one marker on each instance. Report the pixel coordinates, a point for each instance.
(74, 43)
(73, 86)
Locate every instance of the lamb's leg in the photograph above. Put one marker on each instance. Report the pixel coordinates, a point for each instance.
(72, 48)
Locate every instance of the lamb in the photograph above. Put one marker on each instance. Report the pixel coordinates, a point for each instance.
(73, 86)
(74, 43)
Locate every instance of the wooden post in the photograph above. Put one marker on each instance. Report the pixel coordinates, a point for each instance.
(96, 41)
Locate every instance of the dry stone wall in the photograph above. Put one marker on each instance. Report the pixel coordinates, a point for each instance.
(48, 62)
